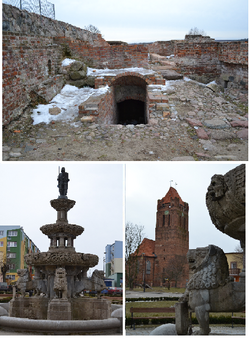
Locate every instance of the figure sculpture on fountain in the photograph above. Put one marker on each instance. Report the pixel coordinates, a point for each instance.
(63, 179)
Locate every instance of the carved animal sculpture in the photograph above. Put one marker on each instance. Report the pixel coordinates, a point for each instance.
(211, 289)
(95, 283)
(38, 284)
(225, 200)
(60, 283)
(21, 283)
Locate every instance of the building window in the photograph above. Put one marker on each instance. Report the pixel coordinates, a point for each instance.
(12, 266)
(11, 255)
(233, 265)
(11, 244)
(12, 233)
(1, 243)
(10, 277)
(1, 232)
(148, 267)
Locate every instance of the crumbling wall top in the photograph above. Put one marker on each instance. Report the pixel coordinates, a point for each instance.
(21, 21)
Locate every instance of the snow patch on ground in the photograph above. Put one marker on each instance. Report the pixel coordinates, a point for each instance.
(67, 62)
(68, 101)
(162, 88)
(113, 72)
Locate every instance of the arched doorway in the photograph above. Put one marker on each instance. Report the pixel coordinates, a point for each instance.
(130, 95)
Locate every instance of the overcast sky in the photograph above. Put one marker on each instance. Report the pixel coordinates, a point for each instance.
(27, 188)
(148, 21)
(146, 183)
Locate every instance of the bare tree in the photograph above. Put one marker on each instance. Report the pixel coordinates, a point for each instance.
(4, 267)
(174, 269)
(133, 238)
(92, 29)
(196, 31)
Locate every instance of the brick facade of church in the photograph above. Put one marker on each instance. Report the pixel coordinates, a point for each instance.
(158, 259)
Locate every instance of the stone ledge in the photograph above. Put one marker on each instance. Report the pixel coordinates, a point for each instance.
(107, 326)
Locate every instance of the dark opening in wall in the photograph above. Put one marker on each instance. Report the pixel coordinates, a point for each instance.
(131, 112)
(130, 100)
(49, 67)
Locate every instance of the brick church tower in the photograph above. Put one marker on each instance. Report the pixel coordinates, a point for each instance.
(164, 260)
(171, 240)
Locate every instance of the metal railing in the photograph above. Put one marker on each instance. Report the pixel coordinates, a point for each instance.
(234, 271)
(42, 7)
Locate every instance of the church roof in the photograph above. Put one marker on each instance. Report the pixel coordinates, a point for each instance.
(147, 247)
(171, 194)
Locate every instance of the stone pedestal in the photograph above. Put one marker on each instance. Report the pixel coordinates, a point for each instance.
(182, 318)
(29, 307)
(59, 309)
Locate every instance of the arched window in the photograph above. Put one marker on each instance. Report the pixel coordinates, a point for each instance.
(49, 67)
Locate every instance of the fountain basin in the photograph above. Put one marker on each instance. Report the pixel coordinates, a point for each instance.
(64, 327)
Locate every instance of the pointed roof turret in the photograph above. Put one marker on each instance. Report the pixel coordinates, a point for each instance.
(171, 194)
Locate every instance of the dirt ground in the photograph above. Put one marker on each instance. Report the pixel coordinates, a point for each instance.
(61, 142)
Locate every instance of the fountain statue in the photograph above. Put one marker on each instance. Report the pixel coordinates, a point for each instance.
(60, 273)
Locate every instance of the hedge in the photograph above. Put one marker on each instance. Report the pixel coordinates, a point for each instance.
(212, 320)
(166, 298)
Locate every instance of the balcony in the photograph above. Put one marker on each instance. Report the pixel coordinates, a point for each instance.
(234, 271)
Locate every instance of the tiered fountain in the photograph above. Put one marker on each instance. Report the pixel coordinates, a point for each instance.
(61, 277)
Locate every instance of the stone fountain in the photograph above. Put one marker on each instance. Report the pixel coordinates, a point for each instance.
(61, 275)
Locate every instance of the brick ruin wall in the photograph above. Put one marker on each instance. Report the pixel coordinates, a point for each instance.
(106, 56)
(34, 46)
(208, 61)
(29, 70)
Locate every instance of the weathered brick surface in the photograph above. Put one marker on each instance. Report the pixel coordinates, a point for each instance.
(213, 60)
(107, 56)
(165, 48)
(27, 23)
(33, 47)
(26, 67)
(171, 235)
(171, 242)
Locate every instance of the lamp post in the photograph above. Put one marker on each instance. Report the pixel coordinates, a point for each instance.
(144, 271)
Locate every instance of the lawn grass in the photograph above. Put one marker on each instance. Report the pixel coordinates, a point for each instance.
(157, 304)
(159, 290)
(149, 304)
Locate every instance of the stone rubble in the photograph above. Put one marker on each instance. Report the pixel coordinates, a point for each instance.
(187, 119)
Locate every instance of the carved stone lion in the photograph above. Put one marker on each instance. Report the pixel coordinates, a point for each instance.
(60, 283)
(225, 200)
(211, 289)
(21, 283)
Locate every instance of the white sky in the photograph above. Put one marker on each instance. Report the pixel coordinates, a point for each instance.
(27, 188)
(148, 21)
(146, 183)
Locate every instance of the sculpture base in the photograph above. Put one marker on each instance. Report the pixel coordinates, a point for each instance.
(82, 308)
(59, 309)
(34, 307)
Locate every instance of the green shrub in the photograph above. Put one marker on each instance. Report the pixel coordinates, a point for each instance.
(166, 298)
(5, 299)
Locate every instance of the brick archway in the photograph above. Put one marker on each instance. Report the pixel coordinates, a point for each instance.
(130, 99)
